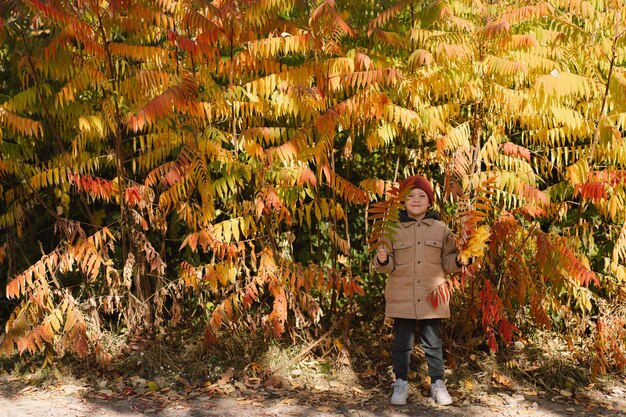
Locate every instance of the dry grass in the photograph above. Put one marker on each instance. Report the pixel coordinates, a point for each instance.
(328, 364)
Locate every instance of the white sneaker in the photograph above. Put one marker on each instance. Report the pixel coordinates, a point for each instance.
(400, 392)
(439, 393)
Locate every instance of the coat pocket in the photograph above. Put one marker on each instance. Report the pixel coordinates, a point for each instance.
(403, 252)
(432, 251)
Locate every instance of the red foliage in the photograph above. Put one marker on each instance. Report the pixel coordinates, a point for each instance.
(594, 191)
(612, 177)
(95, 187)
(512, 149)
(493, 316)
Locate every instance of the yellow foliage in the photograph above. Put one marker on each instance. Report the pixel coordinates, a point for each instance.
(477, 244)
(20, 125)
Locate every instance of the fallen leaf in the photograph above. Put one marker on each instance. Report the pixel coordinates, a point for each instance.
(501, 379)
(226, 376)
(244, 401)
(182, 380)
(468, 384)
(252, 382)
(137, 380)
(152, 386)
(273, 382)
(105, 394)
(290, 401)
(357, 390)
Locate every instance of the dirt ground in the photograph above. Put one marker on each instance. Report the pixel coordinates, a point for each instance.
(20, 399)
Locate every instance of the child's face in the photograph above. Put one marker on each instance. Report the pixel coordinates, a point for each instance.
(416, 203)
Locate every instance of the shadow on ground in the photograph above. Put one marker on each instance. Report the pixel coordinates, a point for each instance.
(18, 399)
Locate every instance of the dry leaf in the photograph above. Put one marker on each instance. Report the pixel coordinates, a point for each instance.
(501, 379)
(273, 382)
(357, 390)
(226, 376)
(290, 400)
(244, 401)
(252, 382)
(137, 380)
(468, 384)
(105, 394)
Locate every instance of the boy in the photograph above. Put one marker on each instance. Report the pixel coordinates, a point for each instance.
(421, 253)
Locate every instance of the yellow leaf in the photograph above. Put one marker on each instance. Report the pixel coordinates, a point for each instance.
(476, 244)
(338, 344)
(226, 231)
(235, 228)
(54, 321)
(70, 320)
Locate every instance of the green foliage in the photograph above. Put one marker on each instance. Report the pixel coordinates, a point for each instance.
(216, 161)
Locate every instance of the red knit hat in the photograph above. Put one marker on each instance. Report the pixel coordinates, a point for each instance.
(418, 181)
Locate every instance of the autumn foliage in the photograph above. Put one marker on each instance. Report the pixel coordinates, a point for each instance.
(233, 163)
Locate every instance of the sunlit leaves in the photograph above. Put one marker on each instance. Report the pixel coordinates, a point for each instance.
(238, 132)
(284, 44)
(20, 125)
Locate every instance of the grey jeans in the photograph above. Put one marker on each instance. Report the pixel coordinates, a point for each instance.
(430, 341)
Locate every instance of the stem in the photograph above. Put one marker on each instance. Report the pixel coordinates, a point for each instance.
(119, 151)
(477, 123)
(231, 77)
(596, 136)
(395, 175)
(270, 234)
(333, 245)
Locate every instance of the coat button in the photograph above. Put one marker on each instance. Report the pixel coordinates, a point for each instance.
(418, 281)
(418, 300)
(419, 243)
(419, 262)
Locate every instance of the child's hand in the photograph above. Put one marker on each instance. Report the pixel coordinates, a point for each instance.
(382, 255)
(462, 261)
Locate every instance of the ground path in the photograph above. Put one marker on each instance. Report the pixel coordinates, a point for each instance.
(75, 400)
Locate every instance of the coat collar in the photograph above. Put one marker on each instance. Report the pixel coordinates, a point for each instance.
(429, 218)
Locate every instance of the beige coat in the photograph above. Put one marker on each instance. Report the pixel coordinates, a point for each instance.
(423, 252)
